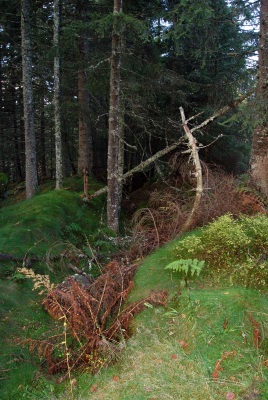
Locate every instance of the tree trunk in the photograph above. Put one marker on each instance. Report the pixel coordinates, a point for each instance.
(85, 157)
(57, 113)
(113, 169)
(17, 161)
(121, 152)
(259, 152)
(30, 145)
(43, 136)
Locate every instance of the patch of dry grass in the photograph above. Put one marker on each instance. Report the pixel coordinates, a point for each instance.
(173, 353)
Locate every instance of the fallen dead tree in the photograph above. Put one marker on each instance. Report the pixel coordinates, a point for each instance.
(176, 144)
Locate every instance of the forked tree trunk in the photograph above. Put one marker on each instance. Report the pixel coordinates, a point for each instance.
(57, 114)
(115, 116)
(259, 152)
(30, 145)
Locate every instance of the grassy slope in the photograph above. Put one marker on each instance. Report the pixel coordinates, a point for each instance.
(21, 317)
(32, 227)
(156, 366)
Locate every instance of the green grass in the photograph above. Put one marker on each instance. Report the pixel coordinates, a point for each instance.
(155, 365)
(49, 222)
(21, 316)
(173, 350)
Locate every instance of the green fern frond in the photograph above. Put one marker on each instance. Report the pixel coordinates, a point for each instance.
(192, 266)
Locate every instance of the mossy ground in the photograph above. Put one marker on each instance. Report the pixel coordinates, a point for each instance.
(41, 227)
(173, 350)
(33, 226)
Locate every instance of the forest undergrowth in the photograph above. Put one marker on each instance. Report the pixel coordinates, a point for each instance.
(93, 321)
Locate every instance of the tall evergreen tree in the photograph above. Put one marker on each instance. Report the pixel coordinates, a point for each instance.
(57, 112)
(113, 170)
(85, 145)
(30, 145)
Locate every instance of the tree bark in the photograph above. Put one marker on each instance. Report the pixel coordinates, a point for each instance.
(17, 145)
(85, 146)
(43, 135)
(113, 173)
(121, 150)
(30, 144)
(198, 172)
(56, 100)
(259, 152)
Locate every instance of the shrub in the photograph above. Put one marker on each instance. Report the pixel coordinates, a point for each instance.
(225, 242)
(232, 247)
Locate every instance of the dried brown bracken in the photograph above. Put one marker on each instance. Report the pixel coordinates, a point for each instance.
(93, 316)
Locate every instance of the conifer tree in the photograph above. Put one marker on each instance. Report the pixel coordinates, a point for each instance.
(30, 145)
(114, 147)
(85, 141)
(57, 112)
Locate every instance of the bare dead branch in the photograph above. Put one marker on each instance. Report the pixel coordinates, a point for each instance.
(198, 172)
(224, 110)
(173, 146)
(142, 165)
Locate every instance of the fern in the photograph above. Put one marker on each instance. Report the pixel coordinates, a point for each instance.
(187, 266)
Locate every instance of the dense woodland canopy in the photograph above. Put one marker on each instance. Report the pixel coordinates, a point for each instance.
(165, 54)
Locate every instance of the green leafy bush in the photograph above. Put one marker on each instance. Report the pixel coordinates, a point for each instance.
(236, 248)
